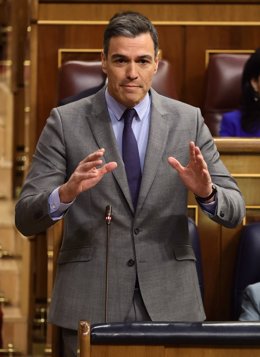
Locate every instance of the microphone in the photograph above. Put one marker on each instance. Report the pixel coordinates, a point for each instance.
(108, 219)
(108, 214)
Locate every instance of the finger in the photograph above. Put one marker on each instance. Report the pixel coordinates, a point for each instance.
(200, 159)
(94, 172)
(110, 166)
(94, 156)
(89, 165)
(175, 164)
(192, 151)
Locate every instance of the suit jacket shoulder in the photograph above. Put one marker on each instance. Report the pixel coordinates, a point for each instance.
(85, 93)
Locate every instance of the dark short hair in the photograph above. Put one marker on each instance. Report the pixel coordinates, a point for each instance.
(251, 71)
(250, 106)
(129, 24)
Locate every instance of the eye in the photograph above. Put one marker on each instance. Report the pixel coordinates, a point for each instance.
(121, 60)
(144, 61)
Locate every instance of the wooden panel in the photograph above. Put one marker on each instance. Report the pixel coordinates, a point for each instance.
(160, 11)
(210, 238)
(127, 351)
(176, 351)
(59, 37)
(199, 40)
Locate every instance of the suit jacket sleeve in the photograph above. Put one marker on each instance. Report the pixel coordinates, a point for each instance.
(230, 204)
(48, 166)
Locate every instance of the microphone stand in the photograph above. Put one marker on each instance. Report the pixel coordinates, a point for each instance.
(108, 218)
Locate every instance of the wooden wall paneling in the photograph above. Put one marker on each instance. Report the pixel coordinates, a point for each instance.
(31, 115)
(210, 37)
(228, 246)
(249, 187)
(159, 11)
(59, 37)
(173, 351)
(253, 212)
(198, 40)
(48, 40)
(54, 240)
(172, 45)
(210, 233)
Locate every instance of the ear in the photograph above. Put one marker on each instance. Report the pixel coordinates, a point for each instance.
(255, 84)
(156, 63)
(103, 62)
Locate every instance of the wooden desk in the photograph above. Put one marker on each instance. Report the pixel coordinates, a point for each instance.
(169, 340)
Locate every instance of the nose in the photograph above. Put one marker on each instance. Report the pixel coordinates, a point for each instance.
(132, 72)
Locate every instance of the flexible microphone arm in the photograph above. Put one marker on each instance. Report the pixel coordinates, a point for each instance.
(108, 218)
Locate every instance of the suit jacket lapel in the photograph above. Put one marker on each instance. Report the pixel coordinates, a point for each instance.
(102, 130)
(156, 144)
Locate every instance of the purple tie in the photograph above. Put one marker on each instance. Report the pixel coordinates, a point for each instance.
(131, 155)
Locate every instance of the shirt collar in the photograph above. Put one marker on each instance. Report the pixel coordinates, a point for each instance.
(118, 109)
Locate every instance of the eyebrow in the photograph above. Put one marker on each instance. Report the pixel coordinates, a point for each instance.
(118, 55)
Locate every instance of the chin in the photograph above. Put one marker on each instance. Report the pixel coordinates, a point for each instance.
(131, 101)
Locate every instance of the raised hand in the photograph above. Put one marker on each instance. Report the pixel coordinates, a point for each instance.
(195, 175)
(86, 175)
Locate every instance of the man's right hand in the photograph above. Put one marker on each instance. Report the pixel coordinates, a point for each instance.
(87, 174)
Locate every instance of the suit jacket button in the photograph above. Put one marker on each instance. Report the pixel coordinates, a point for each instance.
(222, 214)
(131, 262)
(136, 231)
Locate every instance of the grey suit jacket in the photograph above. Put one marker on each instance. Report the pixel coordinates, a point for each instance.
(250, 307)
(155, 236)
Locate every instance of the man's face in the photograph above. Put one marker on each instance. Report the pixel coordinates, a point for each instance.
(130, 66)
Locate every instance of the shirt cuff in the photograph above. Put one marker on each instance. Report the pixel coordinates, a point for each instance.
(57, 209)
(209, 207)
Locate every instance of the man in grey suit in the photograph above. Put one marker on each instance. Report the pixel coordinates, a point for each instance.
(78, 170)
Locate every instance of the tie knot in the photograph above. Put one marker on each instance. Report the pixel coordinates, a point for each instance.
(128, 115)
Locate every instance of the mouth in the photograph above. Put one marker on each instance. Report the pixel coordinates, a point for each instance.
(131, 86)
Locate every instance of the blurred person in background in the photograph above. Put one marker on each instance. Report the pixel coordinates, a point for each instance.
(245, 121)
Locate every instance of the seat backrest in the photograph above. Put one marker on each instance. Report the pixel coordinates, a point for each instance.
(78, 78)
(247, 267)
(195, 240)
(222, 87)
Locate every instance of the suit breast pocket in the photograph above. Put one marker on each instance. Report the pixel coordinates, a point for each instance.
(75, 255)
